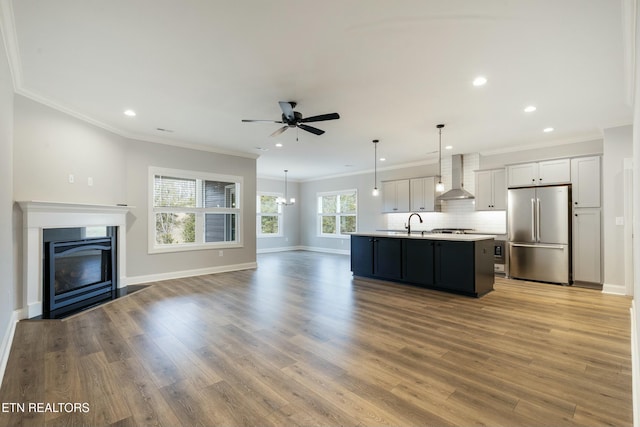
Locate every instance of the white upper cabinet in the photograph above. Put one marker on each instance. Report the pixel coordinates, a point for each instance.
(522, 175)
(491, 190)
(585, 180)
(539, 173)
(395, 196)
(423, 194)
(554, 172)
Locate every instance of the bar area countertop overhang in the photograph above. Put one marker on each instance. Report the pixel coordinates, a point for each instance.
(428, 236)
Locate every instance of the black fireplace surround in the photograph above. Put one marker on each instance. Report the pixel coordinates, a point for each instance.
(78, 274)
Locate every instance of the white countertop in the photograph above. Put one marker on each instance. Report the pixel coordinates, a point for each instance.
(428, 236)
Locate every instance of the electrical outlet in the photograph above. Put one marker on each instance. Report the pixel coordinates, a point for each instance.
(72, 179)
(220, 253)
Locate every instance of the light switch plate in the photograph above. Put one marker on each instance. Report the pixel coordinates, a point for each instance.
(619, 220)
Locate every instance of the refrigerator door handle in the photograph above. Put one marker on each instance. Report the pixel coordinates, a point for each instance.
(533, 220)
(537, 219)
(529, 245)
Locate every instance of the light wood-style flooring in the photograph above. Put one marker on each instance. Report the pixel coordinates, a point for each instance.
(300, 342)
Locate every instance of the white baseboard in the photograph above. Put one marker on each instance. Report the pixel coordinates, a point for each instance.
(136, 280)
(635, 366)
(614, 289)
(7, 340)
(280, 249)
(325, 250)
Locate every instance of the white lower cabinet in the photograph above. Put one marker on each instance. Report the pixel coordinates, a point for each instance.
(586, 245)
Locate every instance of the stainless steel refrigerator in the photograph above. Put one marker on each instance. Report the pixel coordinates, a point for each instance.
(539, 231)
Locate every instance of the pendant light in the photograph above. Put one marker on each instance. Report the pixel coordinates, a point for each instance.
(283, 200)
(375, 191)
(440, 185)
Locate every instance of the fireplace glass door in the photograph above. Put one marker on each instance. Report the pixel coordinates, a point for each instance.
(78, 274)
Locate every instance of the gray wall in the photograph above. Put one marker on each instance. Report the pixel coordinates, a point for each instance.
(50, 145)
(369, 207)
(635, 328)
(617, 147)
(290, 216)
(141, 155)
(7, 302)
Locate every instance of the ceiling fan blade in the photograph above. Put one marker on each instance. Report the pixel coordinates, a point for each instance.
(287, 110)
(321, 118)
(279, 131)
(311, 129)
(262, 121)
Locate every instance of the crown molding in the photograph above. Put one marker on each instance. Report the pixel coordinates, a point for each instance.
(145, 138)
(10, 37)
(538, 145)
(368, 171)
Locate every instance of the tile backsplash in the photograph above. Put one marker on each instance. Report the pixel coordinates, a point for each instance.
(455, 214)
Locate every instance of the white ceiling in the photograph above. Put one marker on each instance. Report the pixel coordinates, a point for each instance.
(391, 69)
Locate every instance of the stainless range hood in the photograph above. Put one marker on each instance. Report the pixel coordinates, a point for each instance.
(457, 191)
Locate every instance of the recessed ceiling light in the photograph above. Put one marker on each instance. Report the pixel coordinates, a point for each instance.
(279, 145)
(383, 159)
(529, 109)
(480, 81)
(129, 113)
(547, 130)
(449, 147)
(262, 149)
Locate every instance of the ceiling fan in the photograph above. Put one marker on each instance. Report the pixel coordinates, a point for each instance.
(293, 119)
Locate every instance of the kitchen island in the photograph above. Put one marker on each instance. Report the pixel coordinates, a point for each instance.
(460, 263)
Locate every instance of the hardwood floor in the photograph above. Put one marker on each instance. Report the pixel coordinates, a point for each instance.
(299, 342)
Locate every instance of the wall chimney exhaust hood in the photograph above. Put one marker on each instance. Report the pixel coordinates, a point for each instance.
(457, 191)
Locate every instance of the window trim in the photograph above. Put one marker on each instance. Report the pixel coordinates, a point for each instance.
(338, 215)
(153, 248)
(259, 215)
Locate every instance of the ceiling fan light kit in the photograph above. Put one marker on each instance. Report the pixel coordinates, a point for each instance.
(294, 119)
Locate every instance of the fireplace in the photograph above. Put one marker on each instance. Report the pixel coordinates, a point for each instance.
(40, 218)
(78, 273)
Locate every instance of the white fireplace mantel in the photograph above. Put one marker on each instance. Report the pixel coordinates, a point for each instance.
(38, 216)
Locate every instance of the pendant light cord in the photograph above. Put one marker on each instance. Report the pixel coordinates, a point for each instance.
(440, 126)
(375, 167)
(440, 154)
(286, 200)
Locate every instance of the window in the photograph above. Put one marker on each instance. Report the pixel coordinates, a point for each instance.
(193, 210)
(337, 213)
(269, 223)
